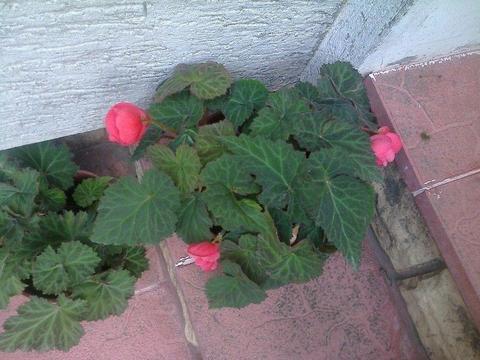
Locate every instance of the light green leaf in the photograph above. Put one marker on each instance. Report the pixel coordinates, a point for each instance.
(132, 213)
(106, 294)
(225, 182)
(194, 222)
(183, 166)
(341, 205)
(41, 325)
(90, 190)
(283, 109)
(135, 260)
(206, 81)
(234, 289)
(246, 95)
(274, 164)
(54, 163)
(54, 272)
(177, 112)
(208, 143)
(318, 131)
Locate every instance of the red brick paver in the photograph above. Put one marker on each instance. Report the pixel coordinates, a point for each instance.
(340, 315)
(435, 107)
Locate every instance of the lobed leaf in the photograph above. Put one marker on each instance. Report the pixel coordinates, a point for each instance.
(135, 260)
(208, 142)
(246, 96)
(133, 213)
(233, 289)
(54, 163)
(194, 222)
(151, 137)
(106, 294)
(177, 112)
(183, 166)
(90, 191)
(12, 270)
(41, 325)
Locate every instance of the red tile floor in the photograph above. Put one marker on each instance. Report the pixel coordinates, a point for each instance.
(435, 107)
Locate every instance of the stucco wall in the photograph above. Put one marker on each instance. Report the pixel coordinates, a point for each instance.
(63, 63)
(430, 29)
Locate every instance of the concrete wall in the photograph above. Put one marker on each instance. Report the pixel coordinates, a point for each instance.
(63, 63)
(430, 29)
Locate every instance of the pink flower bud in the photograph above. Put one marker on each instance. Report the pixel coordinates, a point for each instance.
(126, 123)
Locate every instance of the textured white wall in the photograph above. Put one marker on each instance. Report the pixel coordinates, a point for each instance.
(431, 28)
(63, 63)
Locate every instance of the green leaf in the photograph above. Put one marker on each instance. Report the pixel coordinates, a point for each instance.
(12, 270)
(234, 289)
(185, 138)
(246, 95)
(41, 325)
(183, 166)
(90, 190)
(226, 182)
(52, 199)
(57, 228)
(206, 81)
(177, 112)
(151, 137)
(54, 272)
(135, 261)
(208, 143)
(274, 164)
(282, 111)
(318, 131)
(194, 222)
(283, 224)
(54, 163)
(106, 294)
(342, 205)
(245, 254)
(20, 196)
(308, 92)
(343, 93)
(132, 213)
(296, 265)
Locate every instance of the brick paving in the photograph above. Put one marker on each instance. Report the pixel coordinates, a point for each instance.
(435, 107)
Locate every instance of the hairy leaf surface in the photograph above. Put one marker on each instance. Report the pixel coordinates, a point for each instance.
(90, 190)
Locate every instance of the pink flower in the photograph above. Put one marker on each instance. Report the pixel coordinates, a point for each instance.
(126, 123)
(385, 145)
(205, 255)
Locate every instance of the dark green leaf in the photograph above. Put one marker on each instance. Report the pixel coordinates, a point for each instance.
(20, 196)
(54, 163)
(275, 165)
(135, 261)
(194, 223)
(151, 137)
(283, 109)
(317, 131)
(185, 138)
(283, 224)
(341, 205)
(106, 294)
(41, 325)
(12, 270)
(206, 81)
(308, 91)
(208, 143)
(90, 190)
(56, 228)
(183, 166)
(234, 289)
(132, 213)
(54, 272)
(246, 95)
(177, 112)
(52, 199)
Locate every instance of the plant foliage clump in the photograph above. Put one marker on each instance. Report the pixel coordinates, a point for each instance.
(46, 221)
(280, 178)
